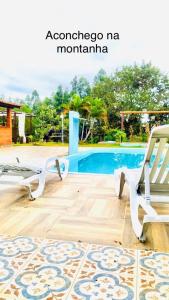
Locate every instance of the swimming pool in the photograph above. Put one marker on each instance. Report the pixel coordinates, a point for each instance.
(105, 161)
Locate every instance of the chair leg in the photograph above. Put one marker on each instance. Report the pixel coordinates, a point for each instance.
(122, 182)
(142, 238)
(30, 193)
(39, 191)
(134, 205)
(58, 168)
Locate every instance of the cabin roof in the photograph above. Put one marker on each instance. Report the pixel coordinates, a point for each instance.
(9, 104)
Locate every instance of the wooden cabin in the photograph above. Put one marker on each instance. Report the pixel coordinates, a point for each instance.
(6, 122)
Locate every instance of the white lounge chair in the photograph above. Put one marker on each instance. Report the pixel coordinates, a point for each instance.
(148, 184)
(25, 175)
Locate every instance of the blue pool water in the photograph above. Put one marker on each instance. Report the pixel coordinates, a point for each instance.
(105, 162)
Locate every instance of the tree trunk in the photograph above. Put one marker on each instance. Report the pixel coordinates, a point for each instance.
(87, 135)
(90, 129)
(82, 131)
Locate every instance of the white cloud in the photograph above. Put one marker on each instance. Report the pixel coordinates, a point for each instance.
(28, 61)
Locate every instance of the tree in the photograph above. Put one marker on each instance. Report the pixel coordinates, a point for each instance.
(91, 110)
(133, 88)
(74, 84)
(105, 90)
(80, 86)
(141, 87)
(60, 98)
(79, 104)
(32, 100)
(100, 76)
(136, 87)
(46, 118)
(35, 98)
(97, 113)
(28, 101)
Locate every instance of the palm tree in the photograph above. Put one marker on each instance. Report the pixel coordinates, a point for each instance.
(78, 104)
(90, 109)
(97, 112)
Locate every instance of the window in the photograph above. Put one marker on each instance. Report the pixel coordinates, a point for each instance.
(3, 117)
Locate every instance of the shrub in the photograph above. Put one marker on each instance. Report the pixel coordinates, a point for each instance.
(120, 136)
(95, 140)
(115, 135)
(136, 138)
(144, 137)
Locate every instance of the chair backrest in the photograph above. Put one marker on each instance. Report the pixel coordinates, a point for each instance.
(157, 157)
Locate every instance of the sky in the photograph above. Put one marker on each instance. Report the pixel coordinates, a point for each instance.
(28, 61)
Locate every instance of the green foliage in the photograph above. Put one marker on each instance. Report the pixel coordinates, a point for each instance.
(80, 86)
(144, 137)
(141, 87)
(100, 76)
(33, 99)
(120, 136)
(94, 140)
(133, 88)
(79, 104)
(97, 108)
(47, 119)
(115, 135)
(136, 87)
(60, 98)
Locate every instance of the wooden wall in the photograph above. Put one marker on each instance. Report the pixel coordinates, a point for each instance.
(6, 131)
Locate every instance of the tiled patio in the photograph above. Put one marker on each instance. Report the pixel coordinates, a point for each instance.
(33, 268)
(81, 207)
(73, 242)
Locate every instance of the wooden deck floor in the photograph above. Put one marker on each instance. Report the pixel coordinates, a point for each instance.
(80, 208)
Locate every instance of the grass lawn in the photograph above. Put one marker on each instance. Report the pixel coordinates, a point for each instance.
(54, 144)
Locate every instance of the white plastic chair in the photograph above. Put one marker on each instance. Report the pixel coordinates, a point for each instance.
(25, 175)
(148, 184)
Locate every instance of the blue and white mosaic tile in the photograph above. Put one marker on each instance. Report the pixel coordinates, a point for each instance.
(61, 252)
(153, 271)
(35, 269)
(15, 246)
(107, 273)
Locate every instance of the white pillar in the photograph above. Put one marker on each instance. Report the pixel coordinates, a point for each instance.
(21, 126)
(73, 132)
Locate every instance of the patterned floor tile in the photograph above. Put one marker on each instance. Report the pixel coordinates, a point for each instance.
(50, 273)
(106, 273)
(45, 282)
(32, 268)
(153, 274)
(11, 247)
(14, 254)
